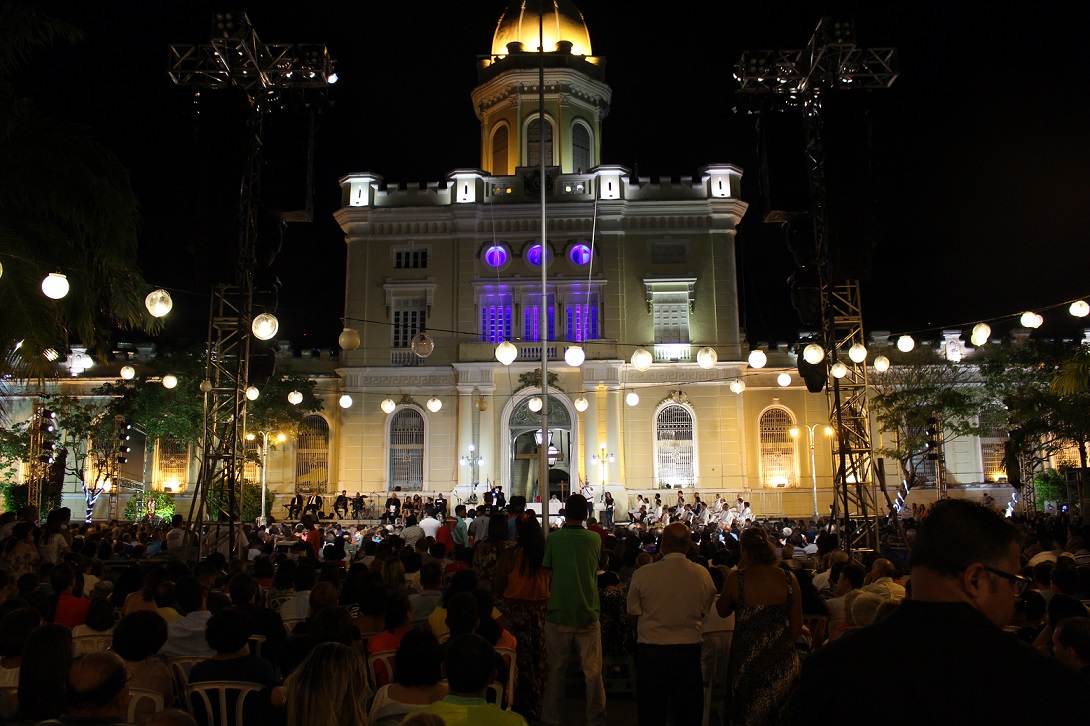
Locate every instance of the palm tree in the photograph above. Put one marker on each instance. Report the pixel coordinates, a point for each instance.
(1074, 373)
(66, 205)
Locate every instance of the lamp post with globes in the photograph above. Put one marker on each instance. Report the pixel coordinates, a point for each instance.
(280, 438)
(828, 431)
(473, 461)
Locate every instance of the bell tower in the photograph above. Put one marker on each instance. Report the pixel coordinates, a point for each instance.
(506, 99)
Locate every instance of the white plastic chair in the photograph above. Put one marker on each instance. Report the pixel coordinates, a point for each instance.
(508, 655)
(218, 713)
(82, 644)
(137, 696)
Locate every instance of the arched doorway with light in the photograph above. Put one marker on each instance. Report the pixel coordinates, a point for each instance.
(521, 437)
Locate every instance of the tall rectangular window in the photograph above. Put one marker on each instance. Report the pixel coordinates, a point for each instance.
(408, 320)
(581, 320)
(993, 441)
(171, 465)
(670, 314)
(495, 318)
(533, 143)
(580, 148)
(532, 321)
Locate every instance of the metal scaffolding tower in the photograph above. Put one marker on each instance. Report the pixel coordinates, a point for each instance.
(236, 58)
(832, 62)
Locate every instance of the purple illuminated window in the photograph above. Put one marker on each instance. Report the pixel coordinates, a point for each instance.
(533, 256)
(496, 256)
(580, 254)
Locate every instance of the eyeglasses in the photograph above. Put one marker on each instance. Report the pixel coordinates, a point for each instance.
(1019, 584)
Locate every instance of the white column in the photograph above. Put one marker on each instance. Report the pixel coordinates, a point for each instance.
(465, 434)
(486, 447)
(613, 433)
(591, 469)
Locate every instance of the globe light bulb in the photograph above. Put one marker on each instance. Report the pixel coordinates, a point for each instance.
(632, 398)
(574, 356)
(158, 303)
(757, 359)
(981, 333)
(252, 393)
(55, 286)
(170, 381)
(206, 386)
(858, 353)
(295, 398)
(345, 401)
(737, 386)
(388, 405)
(128, 373)
(881, 364)
(813, 354)
(535, 404)
(706, 357)
(1031, 319)
(422, 344)
(784, 379)
(434, 404)
(905, 343)
(1079, 308)
(839, 370)
(642, 359)
(349, 339)
(265, 326)
(506, 352)
(582, 404)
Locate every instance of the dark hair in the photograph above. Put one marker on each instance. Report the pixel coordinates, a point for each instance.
(431, 574)
(334, 625)
(531, 541)
(285, 574)
(487, 628)
(189, 593)
(305, 576)
(100, 615)
(1064, 580)
(462, 613)
(139, 635)
(397, 610)
(410, 521)
(497, 528)
(151, 581)
(1074, 633)
(470, 662)
(1031, 605)
(227, 631)
(14, 629)
(263, 567)
(754, 542)
(1062, 607)
(418, 659)
(856, 575)
(112, 680)
(575, 508)
(373, 598)
(43, 670)
(462, 581)
(242, 588)
(958, 533)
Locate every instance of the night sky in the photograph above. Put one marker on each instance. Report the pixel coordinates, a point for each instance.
(982, 145)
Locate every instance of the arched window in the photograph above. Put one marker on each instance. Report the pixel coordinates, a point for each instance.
(580, 148)
(779, 463)
(171, 465)
(312, 456)
(533, 142)
(674, 462)
(406, 447)
(499, 152)
(993, 438)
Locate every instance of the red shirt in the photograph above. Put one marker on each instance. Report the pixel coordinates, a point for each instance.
(446, 538)
(314, 539)
(71, 611)
(600, 531)
(386, 640)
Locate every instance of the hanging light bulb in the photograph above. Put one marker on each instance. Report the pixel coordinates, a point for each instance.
(813, 354)
(632, 398)
(422, 344)
(737, 386)
(839, 370)
(506, 352)
(981, 333)
(858, 352)
(1079, 308)
(345, 401)
(574, 356)
(170, 381)
(206, 386)
(582, 404)
(55, 286)
(1031, 319)
(757, 358)
(158, 303)
(535, 404)
(881, 364)
(265, 326)
(434, 404)
(388, 405)
(349, 339)
(642, 359)
(706, 357)
(905, 343)
(128, 373)
(295, 398)
(252, 393)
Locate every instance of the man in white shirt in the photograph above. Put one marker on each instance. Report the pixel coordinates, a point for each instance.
(588, 493)
(430, 524)
(881, 581)
(667, 601)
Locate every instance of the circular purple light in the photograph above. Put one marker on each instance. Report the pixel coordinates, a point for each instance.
(496, 256)
(534, 255)
(580, 254)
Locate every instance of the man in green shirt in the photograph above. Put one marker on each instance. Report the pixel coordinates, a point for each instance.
(468, 665)
(572, 554)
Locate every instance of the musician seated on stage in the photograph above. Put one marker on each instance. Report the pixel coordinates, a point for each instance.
(340, 504)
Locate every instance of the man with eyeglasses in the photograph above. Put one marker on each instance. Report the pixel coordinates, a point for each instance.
(963, 589)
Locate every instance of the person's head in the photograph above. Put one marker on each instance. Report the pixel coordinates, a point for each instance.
(463, 581)
(323, 595)
(304, 577)
(139, 635)
(756, 547)
(430, 576)
(398, 612)
(1062, 607)
(963, 553)
(676, 538)
(97, 685)
(100, 615)
(864, 608)
(419, 659)
(228, 631)
(334, 625)
(15, 626)
(497, 529)
(575, 508)
(242, 589)
(469, 665)
(43, 669)
(410, 521)
(851, 578)
(882, 568)
(1065, 580)
(1071, 642)
(325, 687)
(190, 594)
(463, 614)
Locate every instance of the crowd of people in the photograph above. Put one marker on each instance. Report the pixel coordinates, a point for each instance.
(770, 621)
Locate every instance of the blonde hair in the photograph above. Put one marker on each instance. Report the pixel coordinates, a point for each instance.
(326, 688)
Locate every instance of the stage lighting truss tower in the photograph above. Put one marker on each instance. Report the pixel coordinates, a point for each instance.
(832, 62)
(40, 456)
(236, 58)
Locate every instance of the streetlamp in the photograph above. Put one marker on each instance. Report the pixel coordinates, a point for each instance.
(474, 464)
(280, 438)
(604, 460)
(828, 430)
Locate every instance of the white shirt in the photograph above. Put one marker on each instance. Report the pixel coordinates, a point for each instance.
(671, 598)
(430, 525)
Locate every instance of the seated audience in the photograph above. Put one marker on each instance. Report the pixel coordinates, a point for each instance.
(469, 666)
(327, 688)
(417, 680)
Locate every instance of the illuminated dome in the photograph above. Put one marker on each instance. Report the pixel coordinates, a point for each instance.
(563, 21)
